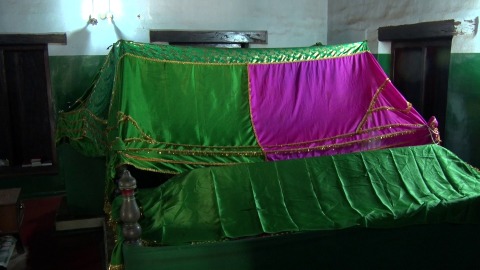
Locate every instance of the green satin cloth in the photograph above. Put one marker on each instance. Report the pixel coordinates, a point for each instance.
(378, 189)
(170, 109)
(179, 116)
(432, 246)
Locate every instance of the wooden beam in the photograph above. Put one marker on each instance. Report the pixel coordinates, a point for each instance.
(179, 36)
(439, 29)
(28, 39)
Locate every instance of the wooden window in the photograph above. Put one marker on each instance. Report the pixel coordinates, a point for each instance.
(227, 39)
(26, 113)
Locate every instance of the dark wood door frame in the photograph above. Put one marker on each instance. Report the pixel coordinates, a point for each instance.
(428, 40)
(30, 39)
(425, 30)
(235, 39)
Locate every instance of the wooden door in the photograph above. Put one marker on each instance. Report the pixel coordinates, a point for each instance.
(420, 71)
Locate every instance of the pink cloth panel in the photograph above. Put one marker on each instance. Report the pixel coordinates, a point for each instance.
(330, 106)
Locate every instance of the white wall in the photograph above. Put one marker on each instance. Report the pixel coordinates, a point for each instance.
(289, 23)
(350, 21)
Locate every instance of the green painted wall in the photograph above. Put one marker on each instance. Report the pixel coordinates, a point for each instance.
(463, 107)
(385, 61)
(462, 127)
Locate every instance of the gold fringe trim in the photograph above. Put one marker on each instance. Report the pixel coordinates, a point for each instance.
(150, 169)
(372, 103)
(115, 267)
(146, 138)
(122, 117)
(316, 57)
(340, 145)
(82, 110)
(261, 149)
(386, 108)
(341, 136)
(177, 162)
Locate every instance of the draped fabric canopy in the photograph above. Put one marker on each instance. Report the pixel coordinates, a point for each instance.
(178, 110)
(171, 109)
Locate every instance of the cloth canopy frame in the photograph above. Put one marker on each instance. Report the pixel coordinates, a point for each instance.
(171, 109)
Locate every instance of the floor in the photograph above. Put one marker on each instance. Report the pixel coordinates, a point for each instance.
(52, 244)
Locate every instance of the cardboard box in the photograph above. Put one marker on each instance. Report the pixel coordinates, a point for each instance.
(11, 212)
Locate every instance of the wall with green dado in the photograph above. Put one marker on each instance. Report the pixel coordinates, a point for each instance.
(463, 107)
(385, 61)
(462, 130)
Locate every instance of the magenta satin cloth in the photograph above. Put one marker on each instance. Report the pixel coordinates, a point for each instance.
(330, 106)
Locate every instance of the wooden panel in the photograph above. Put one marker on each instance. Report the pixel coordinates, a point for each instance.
(9, 210)
(175, 36)
(6, 149)
(20, 39)
(440, 29)
(29, 115)
(28, 128)
(9, 196)
(420, 71)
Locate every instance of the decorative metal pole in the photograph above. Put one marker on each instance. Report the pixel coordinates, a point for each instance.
(129, 213)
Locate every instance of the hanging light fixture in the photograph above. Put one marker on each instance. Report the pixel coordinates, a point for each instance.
(100, 10)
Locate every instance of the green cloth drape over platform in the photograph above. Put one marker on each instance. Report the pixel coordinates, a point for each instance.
(439, 246)
(185, 110)
(171, 109)
(376, 189)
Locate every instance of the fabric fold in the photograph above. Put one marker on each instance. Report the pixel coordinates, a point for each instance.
(365, 190)
(178, 108)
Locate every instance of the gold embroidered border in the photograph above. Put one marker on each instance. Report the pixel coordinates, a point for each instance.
(82, 110)
(318, 58)
(123, 117)
(372, 103)
(177, 161)
(85, 131)
(348, 134)
(198, 152)
(131, 140)
(179, 62)
(341, 145)
(114, 88)
(115, 267)
(85, 125)
(148, 169)
(255, 133)
(80, 120)
(310, 60)
(94, 84)
(278, 151)
(385, 108)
